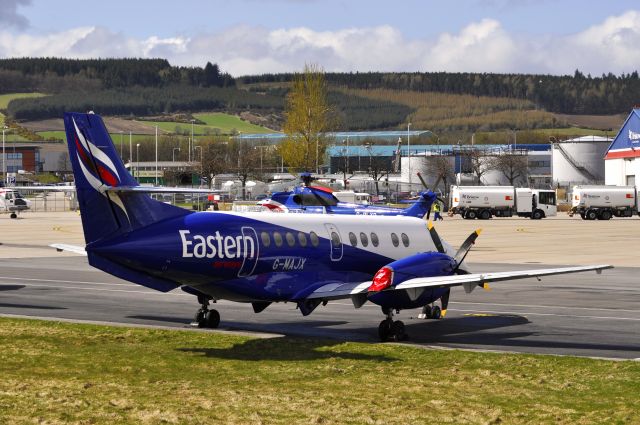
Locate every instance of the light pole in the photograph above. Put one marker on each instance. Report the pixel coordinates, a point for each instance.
(138, 159)
(156, 180)
(4, 160)
(349, 156)
(130, 149)
(173, 154)
(199, 147)
(409, 153)
(192, 139)
(121, 143)
(261, 147)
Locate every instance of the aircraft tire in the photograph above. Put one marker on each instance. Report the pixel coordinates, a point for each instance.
(212, 319)
(425, 313)
(385, 330)
(399, 333)
(13, 215)
(436, 313)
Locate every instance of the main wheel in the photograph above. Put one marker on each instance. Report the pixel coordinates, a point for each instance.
(605, 215)
(436, 313)
(591, 215)
(398, 331)
(471, 215)
(385, 329)
(13, 215)
(212, 319)
(485, 215)
(425, 313)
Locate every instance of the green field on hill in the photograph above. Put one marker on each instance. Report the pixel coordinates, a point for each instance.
(217, 123)
(60, 135)
(70, 373)
(8, 97)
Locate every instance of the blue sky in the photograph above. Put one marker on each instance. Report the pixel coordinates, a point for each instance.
(255, 36)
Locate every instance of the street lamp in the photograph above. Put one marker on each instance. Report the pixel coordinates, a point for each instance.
(173, 154)
(4, 163)
(201, 168)
(121, 144)
(192, 140)
(409, 153)
(138, 159)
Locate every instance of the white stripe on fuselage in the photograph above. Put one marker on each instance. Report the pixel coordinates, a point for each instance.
(414, 228)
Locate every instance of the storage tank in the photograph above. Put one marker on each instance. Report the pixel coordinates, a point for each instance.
(579, 160)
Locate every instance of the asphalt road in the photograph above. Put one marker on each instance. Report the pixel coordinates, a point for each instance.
(583, 314)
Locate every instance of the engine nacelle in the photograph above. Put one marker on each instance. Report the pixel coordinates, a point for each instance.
(426, 264)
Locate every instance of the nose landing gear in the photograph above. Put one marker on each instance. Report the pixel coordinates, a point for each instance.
(204, 317)
(388, 330)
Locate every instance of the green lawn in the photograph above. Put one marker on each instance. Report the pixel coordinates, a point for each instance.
(68, 373)
(217, 123)
(60, 135)
(226, 123)
(6, 98)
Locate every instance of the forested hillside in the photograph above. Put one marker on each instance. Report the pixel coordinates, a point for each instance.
(577, 94)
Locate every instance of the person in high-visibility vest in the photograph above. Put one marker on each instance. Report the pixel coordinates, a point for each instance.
(436, 211)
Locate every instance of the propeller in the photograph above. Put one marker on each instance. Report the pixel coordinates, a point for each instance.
(459, 257)
(432, 189)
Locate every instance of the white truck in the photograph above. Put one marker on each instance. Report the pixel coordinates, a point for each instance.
(484, 202)
(604, 202)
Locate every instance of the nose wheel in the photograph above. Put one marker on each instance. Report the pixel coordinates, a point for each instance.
(390, 330)
(206, 318)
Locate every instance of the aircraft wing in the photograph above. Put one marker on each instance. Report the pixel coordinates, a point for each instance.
(157, 189)
(45, 188)
(469, 281)
(71, 248)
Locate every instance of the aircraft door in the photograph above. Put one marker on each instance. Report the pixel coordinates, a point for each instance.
(336, 242)
(251, 251)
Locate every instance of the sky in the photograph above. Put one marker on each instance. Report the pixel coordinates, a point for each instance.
(264, 36)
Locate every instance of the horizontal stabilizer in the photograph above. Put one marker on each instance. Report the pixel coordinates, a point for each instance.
(69, 248)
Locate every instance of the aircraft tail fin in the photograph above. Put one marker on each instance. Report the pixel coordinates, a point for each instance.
(96, 168)
(422, 206)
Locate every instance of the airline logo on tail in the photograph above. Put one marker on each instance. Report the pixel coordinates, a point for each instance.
(97, 167)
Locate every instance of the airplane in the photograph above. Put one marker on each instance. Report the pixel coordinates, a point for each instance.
(320, 200)
(396, 263)
(12, 202)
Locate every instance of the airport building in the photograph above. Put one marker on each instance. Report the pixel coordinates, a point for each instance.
(622, 159)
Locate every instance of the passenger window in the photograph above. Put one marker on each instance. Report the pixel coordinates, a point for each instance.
(405, 239)
(277, 239)
(364, 239)
(302, 239)
(314, 239)
(335, 239)
(353, 239)
(374, 239)
(394, 240)
(291, 240)
(266, 240)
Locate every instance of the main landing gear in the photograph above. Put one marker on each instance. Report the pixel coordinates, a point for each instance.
(388, 330)
(429, 312)
(206, 318)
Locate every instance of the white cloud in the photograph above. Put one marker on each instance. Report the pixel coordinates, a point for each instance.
(9, 13)
(484, 46)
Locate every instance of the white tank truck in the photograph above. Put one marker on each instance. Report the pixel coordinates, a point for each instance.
(484, 202)
(604, 202)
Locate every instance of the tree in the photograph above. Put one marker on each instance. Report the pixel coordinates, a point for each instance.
(478, 162)
(440, 167)
(308, 116)
(246, 160)
(513, 165)
(378, 167)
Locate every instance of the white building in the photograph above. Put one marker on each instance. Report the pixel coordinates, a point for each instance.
(622, 160)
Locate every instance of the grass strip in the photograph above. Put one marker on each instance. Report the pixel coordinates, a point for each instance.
(54, 373)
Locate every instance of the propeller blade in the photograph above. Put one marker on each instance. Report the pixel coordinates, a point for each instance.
(422, 181)
(465, 247)
(435, 237)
